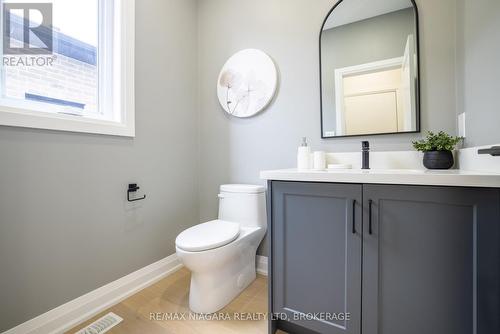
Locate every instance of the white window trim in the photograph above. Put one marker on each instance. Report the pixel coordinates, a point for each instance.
(123, 90)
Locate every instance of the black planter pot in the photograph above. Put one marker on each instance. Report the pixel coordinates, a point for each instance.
(438, 160)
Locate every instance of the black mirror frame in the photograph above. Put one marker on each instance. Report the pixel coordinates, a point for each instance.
(417, 88)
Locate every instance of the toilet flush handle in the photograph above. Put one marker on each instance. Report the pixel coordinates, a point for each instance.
(220, 196)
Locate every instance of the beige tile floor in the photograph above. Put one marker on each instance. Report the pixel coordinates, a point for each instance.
(170, 295)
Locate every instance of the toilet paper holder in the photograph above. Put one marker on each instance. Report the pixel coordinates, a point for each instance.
(132, 188)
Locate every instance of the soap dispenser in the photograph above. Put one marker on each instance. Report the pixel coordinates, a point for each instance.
(304, 156)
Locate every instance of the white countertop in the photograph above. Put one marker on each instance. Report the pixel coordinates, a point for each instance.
(458, 178)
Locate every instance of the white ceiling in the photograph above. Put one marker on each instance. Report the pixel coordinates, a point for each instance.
(356, 10)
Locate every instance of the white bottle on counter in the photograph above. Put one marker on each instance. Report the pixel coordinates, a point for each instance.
(304, 156)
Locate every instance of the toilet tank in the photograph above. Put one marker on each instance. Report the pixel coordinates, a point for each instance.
(244, 204)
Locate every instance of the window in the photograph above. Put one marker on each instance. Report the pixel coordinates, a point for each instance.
(68, 65)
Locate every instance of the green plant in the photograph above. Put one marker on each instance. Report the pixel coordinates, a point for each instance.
(437, 142)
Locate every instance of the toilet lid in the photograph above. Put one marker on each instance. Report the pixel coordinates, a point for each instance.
(213, 234)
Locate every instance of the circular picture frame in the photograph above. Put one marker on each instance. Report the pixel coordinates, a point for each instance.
(247, 83)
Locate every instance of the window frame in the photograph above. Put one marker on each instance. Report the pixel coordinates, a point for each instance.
(115, 83)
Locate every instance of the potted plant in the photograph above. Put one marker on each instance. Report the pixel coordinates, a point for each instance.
(437, 150)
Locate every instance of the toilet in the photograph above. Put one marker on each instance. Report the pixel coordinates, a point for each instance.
(221, 253)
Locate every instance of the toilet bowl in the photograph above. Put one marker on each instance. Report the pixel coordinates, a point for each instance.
(221, 253)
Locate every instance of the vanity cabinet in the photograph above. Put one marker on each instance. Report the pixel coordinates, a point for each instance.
(316, 260)
(398, 259)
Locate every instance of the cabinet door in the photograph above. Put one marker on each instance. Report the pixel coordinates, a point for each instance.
(316, 255)
(430, 260)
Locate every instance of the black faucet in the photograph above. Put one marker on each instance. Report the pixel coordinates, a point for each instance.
(493, 151)
(365, 153)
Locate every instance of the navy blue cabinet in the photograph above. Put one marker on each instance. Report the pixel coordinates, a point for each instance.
(393, 259)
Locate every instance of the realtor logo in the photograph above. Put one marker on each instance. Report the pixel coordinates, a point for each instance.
(22, 35)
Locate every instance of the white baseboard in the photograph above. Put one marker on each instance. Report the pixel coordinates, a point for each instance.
(73, 313)
(262, 265)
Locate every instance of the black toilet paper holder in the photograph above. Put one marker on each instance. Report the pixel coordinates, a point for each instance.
(132, 188)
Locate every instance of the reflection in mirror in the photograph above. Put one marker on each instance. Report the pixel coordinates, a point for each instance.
(369, 68)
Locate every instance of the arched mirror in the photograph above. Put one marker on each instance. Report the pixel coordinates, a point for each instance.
(370, 68)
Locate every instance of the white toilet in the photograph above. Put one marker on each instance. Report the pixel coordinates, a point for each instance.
(221, 253)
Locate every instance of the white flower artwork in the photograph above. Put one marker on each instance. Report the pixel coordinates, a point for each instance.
(247, 83)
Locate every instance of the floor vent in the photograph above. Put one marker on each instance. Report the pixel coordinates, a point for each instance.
(102, 325)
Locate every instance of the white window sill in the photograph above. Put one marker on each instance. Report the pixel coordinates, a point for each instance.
(63, 122)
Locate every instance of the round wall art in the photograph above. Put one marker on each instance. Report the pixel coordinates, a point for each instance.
(247, 83)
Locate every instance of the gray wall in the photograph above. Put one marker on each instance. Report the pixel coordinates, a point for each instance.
(378, 38)
(234, 150)
(65, 227)
(478, 57)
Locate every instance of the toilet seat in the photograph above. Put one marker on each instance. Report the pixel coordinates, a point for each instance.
(210, 235)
